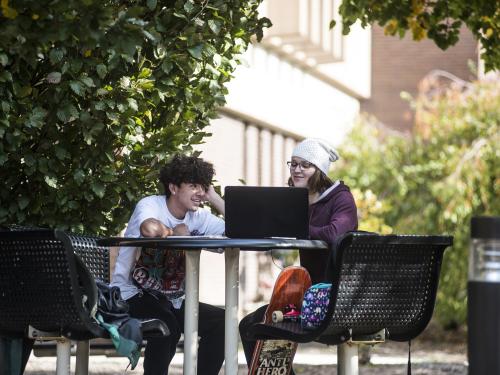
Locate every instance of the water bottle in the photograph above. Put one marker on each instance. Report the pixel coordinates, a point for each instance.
(483, 307)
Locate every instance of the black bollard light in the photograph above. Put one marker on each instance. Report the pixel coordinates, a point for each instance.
(483, 307)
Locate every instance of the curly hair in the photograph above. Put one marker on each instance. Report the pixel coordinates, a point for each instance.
(186, 169)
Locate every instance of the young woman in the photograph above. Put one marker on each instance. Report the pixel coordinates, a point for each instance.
(332, 212)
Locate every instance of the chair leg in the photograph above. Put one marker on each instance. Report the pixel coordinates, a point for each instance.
(63, 357)
(82, 357)
(347, 359)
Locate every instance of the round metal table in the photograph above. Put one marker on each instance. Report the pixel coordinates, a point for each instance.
(231, 248)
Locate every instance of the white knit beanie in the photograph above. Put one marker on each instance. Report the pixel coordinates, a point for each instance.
(316, 151)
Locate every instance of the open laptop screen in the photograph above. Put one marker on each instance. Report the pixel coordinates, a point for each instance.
(263, 212)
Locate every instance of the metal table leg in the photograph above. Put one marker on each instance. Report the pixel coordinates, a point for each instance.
(191, 307)
(232, 257)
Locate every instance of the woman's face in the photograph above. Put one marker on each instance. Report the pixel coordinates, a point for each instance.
(301, 171)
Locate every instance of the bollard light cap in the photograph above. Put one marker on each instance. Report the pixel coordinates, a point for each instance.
(485, 227)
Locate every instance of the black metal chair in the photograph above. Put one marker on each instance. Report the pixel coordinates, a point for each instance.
(383, 287)
(48, 291)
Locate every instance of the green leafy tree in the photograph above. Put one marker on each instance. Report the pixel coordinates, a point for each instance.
(95, 94)
(436, 180)
(438, 20)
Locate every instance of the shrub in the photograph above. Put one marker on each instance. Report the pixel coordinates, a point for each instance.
(435, 181)
(95, 94)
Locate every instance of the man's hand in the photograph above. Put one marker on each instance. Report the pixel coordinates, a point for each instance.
(154, 228)
(167, 232)
(181, 230)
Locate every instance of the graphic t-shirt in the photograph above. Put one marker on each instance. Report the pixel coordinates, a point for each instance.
(159, 271)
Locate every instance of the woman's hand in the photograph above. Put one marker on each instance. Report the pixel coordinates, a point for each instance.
(215, 200)
(211, 194)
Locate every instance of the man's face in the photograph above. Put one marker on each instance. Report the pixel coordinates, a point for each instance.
(188, 196)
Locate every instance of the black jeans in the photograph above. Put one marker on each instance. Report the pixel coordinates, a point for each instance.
(248, 343)
(160, 351)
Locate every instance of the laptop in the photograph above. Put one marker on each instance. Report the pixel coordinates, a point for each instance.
(266, 212)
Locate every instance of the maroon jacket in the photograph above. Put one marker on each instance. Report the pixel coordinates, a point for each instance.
(329, 217)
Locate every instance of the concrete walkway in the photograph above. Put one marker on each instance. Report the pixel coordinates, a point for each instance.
(312, 359)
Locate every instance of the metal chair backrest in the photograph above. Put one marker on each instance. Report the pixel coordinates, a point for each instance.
(382, 282)
(44, 284)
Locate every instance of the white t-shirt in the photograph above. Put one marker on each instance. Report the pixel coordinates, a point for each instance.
(200, 223)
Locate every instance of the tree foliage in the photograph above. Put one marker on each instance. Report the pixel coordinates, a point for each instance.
(436, 180)
(94, 94)
(438, 20)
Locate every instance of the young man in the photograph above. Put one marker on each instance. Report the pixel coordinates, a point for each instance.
(152, 281)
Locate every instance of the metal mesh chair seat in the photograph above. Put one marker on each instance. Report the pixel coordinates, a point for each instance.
(378, 283)
(47, 281)
(39, 284)
(95, 257)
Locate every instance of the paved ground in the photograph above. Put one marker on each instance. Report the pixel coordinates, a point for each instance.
(435, 352)
(429, 357)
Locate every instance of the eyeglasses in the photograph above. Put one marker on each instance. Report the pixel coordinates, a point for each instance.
(303, 165)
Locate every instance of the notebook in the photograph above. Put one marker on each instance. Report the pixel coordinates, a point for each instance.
(266, 212)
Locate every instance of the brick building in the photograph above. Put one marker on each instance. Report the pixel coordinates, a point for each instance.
(399, 64)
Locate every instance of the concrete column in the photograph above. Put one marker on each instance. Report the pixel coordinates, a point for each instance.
(278, 159)
(265, 157)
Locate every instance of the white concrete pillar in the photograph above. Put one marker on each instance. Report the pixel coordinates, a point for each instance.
(278, 159)
(252, 157)
(289, 146)
(265, 157)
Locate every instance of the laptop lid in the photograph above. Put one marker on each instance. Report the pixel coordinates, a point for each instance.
(263, 212)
